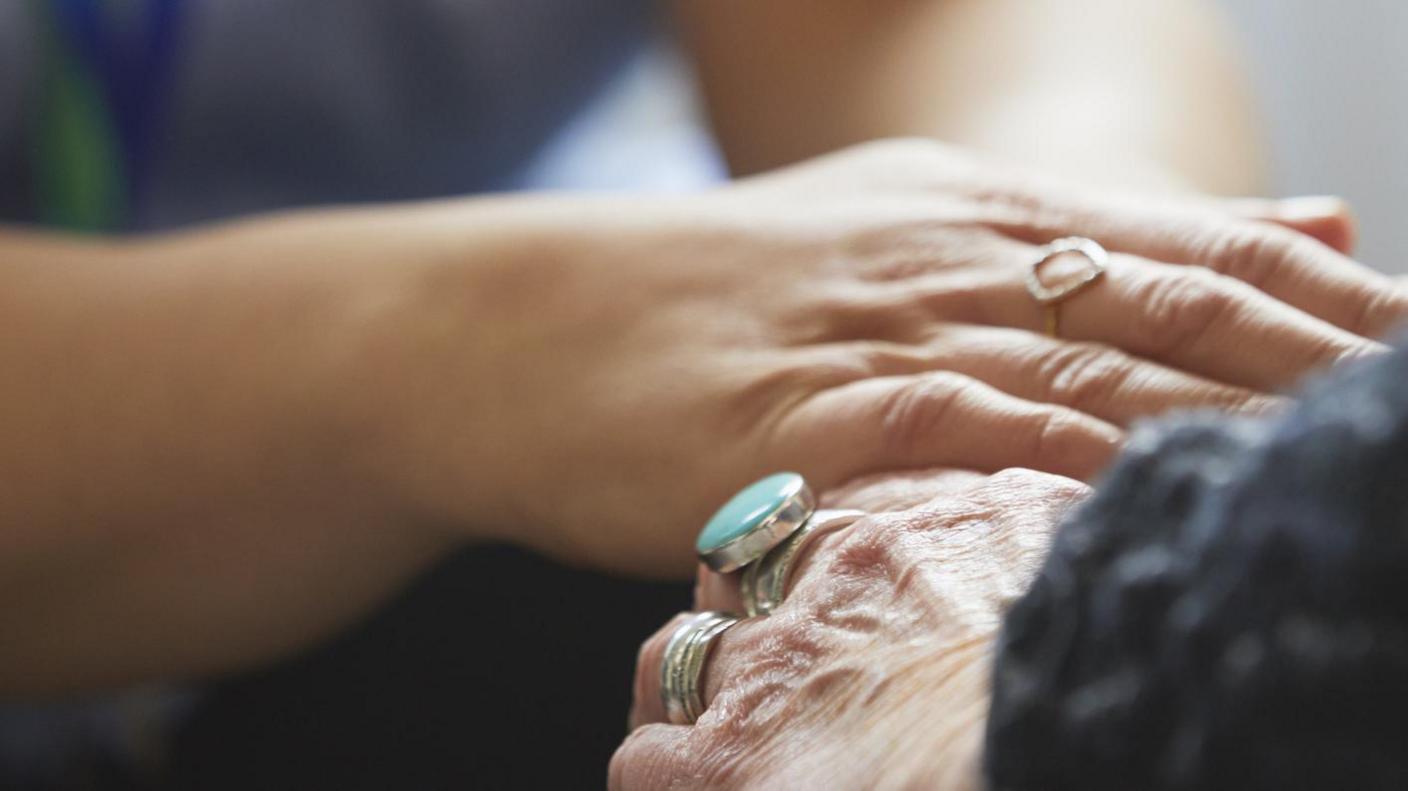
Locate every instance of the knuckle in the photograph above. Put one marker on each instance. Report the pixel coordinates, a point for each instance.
(880, 358)
(1019, 484)
(1084, 374)
(635, 763)
(1256, 254)
(618, 768)
(1055, 488)
(866, 551)
(1182, 308)
(1058, 434)
(913, 412)
(1379, 309)
(1017, 478)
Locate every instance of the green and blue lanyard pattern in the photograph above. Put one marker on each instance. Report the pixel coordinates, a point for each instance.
(107, 69)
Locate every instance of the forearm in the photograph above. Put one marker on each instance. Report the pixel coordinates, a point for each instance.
(1131, 94)
(190, 425)
(155, 384)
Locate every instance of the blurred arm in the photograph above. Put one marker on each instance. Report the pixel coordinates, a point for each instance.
(1139, 93)
(180, 491)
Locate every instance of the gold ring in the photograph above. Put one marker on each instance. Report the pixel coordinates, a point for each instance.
(1051, 296)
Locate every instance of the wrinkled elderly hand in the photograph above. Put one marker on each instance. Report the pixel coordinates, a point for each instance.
(874, 671)
(633, 362)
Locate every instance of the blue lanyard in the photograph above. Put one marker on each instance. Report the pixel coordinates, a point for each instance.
(133, 63)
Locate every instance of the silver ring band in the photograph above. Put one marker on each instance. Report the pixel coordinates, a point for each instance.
(683, 664)
(764, 583)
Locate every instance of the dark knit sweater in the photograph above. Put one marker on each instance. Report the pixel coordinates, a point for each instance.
(1229, 610)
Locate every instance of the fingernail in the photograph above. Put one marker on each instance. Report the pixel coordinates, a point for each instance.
(1310, 207)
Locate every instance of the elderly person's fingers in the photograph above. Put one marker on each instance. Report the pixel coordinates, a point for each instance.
(938, 419)
(1287, 265)
(1187, 317)
(649, 758)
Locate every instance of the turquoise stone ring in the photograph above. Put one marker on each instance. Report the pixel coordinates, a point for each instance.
(757, 519)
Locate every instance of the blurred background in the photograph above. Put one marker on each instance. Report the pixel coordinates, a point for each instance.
(1332, 79)
(1333, 82)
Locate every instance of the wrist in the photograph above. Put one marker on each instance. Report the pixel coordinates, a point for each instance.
(431, 388)
(259, 330)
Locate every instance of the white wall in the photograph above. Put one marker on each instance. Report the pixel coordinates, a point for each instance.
(1333, 81)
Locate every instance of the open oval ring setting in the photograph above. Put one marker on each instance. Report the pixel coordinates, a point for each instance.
(1052, 295)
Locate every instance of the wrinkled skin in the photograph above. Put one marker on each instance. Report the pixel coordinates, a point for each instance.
(861, 313)
(874, 671)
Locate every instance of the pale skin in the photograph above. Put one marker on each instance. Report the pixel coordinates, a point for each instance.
(874, 671)
(224, 445)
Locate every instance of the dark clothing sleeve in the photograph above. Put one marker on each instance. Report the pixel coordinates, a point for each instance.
(1229, 610)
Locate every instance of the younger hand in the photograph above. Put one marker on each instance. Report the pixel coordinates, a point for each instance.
(620, 366)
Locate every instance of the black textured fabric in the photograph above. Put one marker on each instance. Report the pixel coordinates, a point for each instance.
(1230, 610)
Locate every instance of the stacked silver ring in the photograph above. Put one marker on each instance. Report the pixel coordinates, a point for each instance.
(683, 664)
